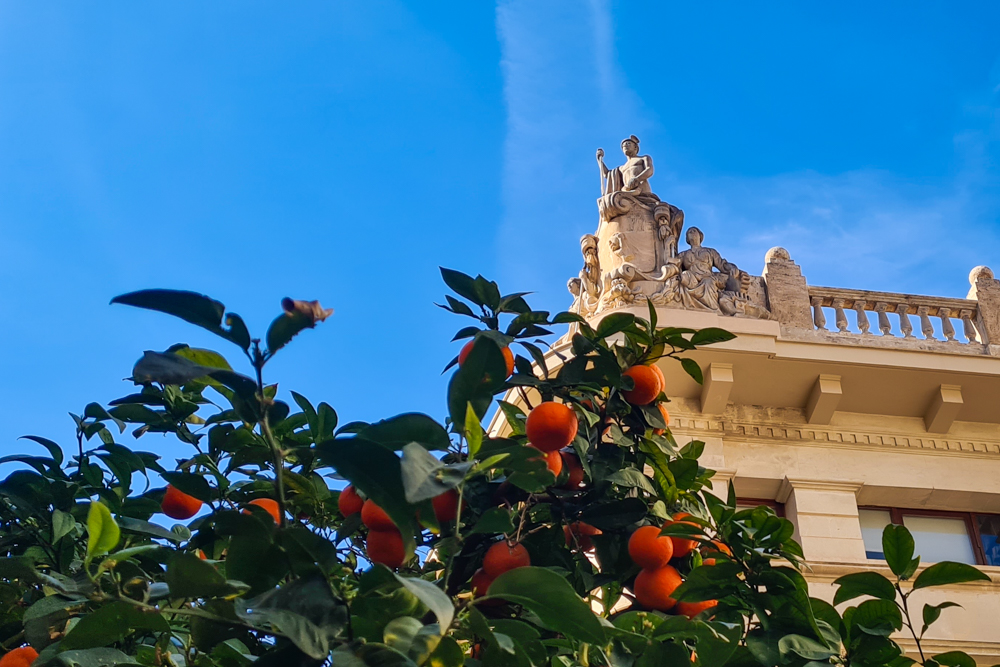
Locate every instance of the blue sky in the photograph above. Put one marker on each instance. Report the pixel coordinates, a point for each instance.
(342, 151)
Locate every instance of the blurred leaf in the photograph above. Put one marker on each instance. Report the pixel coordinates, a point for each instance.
(615, 514)
(166, 368)
(494, 521)
(112, 623)
(132, 525)
(285, 327)
(954, 659)
(425, 477)
(94, 657)
(711, 335)
(432, 596)
(947, 572)
(191, 484)
(191, 577)
(473, 431)
(103, 532)
(62, 524)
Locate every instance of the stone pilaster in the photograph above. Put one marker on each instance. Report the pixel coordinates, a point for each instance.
(825, 514)
(986, 290)
(787, 292)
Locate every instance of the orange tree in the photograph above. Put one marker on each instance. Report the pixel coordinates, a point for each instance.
(584, 536)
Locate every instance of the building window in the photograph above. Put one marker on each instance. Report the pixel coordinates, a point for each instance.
(751, 503)
(964, 537)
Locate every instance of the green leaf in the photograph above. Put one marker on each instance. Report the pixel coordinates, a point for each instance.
(112, 623)
(192, 307)
(877, 617)
(377, 473)
(425, 477)
(933, 613)
(473, 430)
(550, 597)
(462, 284)
(515, 417)
(947, 572)
(711, 335)
(432, 596)
(103, 532)
(863, 583)
(662, 654)
(955, 659)
(400, 631)
(130, 525)
(403, 429)
(494, 521)
(62, 524)
(692, 368)
(284, 328)
(191, 577)
(632, 478)
(804, 647)
(54, 449)
(306, 611)
(685, 472)
(94, 657)
(615, 514)
(191, 484)
(897, 545)
(165, 368)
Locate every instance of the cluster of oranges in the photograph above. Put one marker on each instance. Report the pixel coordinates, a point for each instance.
(385, 542)
(658, 580)
(178, 505)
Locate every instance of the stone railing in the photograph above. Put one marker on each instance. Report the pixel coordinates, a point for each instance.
(947, 313)
(963, 326)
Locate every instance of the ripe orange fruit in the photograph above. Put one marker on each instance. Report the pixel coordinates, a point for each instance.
(502, 557)
(385, 547)
(654, 587)
(445, 506)
(375, 517)
(575, 475)
(19, 657)
(580, 532)
(692, 609)
(648, 549)
(647, 385)
(666, 419)
(721, 547)
(179, 505)
(553, 461)
(508, 356)
(349, 502)
(480, 583)
(269, 506)
(708, 561)
(551, 426)
(682, 546)
(659, 374)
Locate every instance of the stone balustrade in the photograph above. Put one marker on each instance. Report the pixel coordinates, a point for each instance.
(955, 318)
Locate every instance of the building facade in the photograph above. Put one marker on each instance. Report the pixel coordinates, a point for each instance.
(843, 409)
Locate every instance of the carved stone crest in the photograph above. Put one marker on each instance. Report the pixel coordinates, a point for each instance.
(634, 255)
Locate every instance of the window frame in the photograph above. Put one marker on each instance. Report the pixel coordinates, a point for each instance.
(896, 515)
(779, 508)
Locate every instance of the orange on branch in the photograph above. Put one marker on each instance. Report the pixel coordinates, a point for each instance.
(580, 532)
(575, 471)
(508, 356)
(553, 461)
(682, 546)
(502, 557)
(692, 609)
(445, 506)
(19, 657)
(349, 502)
(551, 426)
(647, 385)
(659, 374)
(179, 505)
(648, 549)
(385, 547)
(666, 419)
(480, 583)
(653, 588)
(375, 518)
(268, 505)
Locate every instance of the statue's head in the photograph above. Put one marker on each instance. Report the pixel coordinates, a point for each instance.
(630, 146)
(694, 237)
(573, 285)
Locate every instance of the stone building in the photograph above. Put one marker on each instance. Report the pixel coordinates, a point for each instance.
(842, 409)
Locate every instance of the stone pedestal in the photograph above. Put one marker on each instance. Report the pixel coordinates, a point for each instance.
(787, 293)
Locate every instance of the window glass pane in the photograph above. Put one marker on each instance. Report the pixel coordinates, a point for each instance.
(989, 532)
(938, 538)
(872, 524)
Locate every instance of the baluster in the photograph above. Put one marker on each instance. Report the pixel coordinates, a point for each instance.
(863, 323)
(925, 323)
(968, 329)
(819, 318)
(904, 320)
(946, 327)
(883, 319)
(838, 307)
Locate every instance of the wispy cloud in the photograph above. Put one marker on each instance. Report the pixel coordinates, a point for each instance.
(866, 229)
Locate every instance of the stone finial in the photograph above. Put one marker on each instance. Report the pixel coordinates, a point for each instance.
(986, 290)
(777, 254)
(787, 292)
(980, 272)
